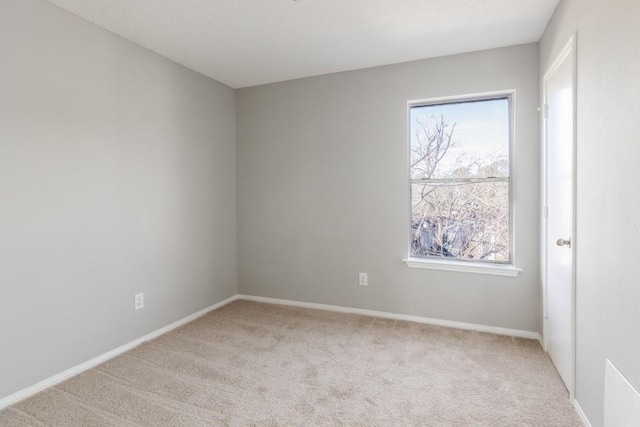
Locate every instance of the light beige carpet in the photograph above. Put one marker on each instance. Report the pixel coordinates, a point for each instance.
(259, 364)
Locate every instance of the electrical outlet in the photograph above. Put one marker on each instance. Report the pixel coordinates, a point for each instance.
(362, 279)
(139, 301)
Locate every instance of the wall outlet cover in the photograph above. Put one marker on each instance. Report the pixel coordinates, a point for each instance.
(363, 279)
(139, 301)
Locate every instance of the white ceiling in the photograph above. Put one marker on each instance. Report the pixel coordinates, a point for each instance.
(250, 42)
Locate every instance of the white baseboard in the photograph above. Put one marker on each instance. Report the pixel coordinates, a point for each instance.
(418, 319)
(583, 417)
(65, 375)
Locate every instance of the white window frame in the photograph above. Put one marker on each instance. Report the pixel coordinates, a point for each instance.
(432, 263)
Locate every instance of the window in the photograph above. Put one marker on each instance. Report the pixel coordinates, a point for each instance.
(460, 180)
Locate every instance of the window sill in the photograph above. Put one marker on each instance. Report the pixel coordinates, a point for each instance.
(464, 267)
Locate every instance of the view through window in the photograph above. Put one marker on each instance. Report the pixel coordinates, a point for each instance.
(460, 180)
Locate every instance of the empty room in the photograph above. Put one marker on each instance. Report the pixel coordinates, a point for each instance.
(319, 213)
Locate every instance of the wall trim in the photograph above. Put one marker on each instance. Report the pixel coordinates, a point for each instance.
(65, 375)
(386, 315)
(581, 414)
(463, 266)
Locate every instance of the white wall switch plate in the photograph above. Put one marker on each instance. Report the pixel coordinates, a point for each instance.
(362, 279)
(139, 301)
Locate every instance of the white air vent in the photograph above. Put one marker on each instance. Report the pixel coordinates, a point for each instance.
(621, 399)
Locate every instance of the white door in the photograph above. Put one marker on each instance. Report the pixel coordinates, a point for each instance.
(559, 127)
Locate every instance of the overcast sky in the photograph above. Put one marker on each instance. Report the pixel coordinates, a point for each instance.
(482, 128)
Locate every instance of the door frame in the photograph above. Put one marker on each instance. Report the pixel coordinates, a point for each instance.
(569, 50)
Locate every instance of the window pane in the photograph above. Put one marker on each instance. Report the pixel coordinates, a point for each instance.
(460, 140)
(461, 221)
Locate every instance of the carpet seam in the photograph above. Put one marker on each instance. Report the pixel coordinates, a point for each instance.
(143, 393)
(200, 358)
(159, 398)
(167, 369)
(26, 414)
(108, 415)
(189, 379)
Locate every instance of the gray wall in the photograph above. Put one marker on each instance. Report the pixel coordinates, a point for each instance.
(608, 291)
(117, 175)
(323, 191)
